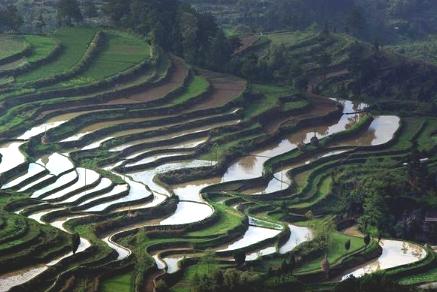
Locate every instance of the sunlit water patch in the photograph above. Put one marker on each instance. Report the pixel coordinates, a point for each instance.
(33, 170)
(85, 177)
(137, 191)
(103, 184)
(394, 253)
(56, 163)
(253, 235)
(61, 181)
(11, 156)
(188, 212)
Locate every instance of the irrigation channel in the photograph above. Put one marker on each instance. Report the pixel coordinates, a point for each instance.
(59, 184)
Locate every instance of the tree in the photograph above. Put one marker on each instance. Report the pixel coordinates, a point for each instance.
(10, 20)
(309, 215)
(174, 26)
(240, 258)
(356, 22)
(347, 245)
(292, 263)
(40, 23)
(219, 278)
(325, 266)
(68, 12)
(219, 51)
(315, 141)
(301, 83)
(284, 267)
(208, 260)
(356, 56)
(369, 283)
(324, 60)
(189, 29)
(366, 239)
(89, 9)
(75, 242)
(116, 10)
(161, 286)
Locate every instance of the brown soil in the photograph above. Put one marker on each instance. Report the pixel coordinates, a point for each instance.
(224, 89)
(321, 107)
(176, 80)
(246, 42)
(353, 231)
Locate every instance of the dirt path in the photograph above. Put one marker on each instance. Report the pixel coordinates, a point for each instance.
(150, 281)
(353, 231)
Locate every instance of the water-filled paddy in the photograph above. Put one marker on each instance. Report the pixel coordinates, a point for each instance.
(394, 253)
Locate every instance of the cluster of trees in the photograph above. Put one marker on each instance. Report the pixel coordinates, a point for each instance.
(33, 16)
(71, 12)
(387, 19)
(229, 280)
(392, 203)
(282, 63)
(10, 20)
(375, 73)
(173, 25)
(370, 283)
(277, 65)
(176, 27)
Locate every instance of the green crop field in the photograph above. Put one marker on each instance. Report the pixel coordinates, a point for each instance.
(121, 52)
(41, 47)
(73, 50)
(10, 45)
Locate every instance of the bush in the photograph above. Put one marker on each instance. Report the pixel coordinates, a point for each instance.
(370, 283)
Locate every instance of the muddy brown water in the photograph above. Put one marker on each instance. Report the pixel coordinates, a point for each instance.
(252, 166)
(320, 107)
(381, 130)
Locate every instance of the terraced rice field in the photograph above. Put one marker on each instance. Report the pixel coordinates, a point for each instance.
(155, 166)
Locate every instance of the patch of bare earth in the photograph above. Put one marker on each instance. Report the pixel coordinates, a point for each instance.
(225, 88)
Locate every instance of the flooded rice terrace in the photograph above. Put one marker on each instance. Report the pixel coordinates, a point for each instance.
(63, 184)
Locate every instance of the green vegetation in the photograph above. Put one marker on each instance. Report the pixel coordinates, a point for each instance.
(10, 45)
(117, 283)
(269, 99)
(335, 251)
(121, 52)
(229, 218)
(195, 88)
(425, 50)
(42, 46)
(73, 50)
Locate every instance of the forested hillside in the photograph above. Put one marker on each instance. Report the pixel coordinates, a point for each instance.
(389, 20)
